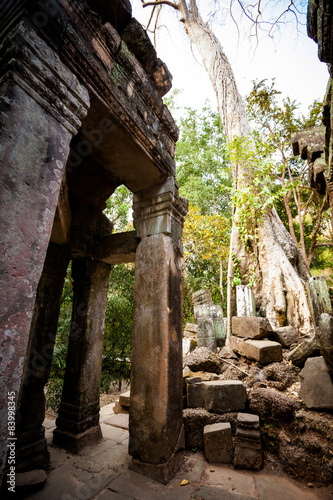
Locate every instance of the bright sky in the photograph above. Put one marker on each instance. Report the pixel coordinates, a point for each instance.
(291, 58)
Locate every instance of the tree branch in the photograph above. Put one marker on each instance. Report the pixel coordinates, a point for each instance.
(159, 2)
(327, 244)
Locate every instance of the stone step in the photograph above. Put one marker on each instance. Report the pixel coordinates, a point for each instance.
(263, 351)
(250, 327)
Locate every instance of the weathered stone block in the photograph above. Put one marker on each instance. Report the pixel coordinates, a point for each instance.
(245, 301)
(218, 443)
(206, 334)
(286, 335)
(324, 335)
(195, 394)
(316, 385)
(29, 482)
(124, 399)
(250, 327)
(304, 350)
(271, 404)
(248, 452)
(202, 359)
(263, 351)
(118, 408)
(190, 330)
(224, 395)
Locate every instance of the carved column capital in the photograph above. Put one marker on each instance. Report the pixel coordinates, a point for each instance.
(37, 69)
(160, 210)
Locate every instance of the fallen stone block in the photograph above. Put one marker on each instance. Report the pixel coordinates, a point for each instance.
(223, 396)
(190, 330)
(271, 404)
(195, 393)
(263, 351)
(250, 327)
(195, 419)
(248, 450)
(316, 385)
(29, 482)
(124, 399)
(218, 443)
(118, 408)
(202, 359)
(303, 351)
(286, 335)
(206, 333)
(324, 335)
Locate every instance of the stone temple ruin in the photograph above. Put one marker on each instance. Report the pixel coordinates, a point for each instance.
(81, 114)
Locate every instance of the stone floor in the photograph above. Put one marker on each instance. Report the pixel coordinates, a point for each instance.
(101, 473)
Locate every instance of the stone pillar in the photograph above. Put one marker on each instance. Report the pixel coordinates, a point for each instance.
(41, 105)
(78, 420)
(31, 444)
(156, 418)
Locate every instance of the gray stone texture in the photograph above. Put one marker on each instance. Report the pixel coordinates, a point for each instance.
(30, 482)
(263, 351)
(30, 176)
(31, 446)
(324, 336)
(248, 451)
(218, 443)
(223, 396)
(250, 327)
(308, 347)
(195, 395)
(285, 335)
(316, 385)
(78, 418)
(156, 373)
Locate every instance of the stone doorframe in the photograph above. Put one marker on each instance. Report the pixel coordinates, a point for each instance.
(42, 107)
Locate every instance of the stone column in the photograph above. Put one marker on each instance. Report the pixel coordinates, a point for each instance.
(156, 417)
(41, 107)
(78, 420)
(31, 444)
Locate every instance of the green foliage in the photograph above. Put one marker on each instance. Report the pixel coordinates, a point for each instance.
(118, 208)
(204, 177)
(57, 373)
(276, 119)
(203, 170)
(118, 325)
(252, 195)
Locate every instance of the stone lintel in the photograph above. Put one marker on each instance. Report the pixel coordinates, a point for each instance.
(117, 248)
(38, 70)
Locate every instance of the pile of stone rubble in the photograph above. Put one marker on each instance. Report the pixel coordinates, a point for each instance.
(255, 399)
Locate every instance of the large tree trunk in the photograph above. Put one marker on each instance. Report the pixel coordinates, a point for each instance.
(281, 271)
